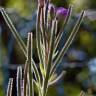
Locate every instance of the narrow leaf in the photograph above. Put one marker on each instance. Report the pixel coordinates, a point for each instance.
(52, 41)
(30, 67)
(10, 85)
(38, 37)
(13, 30)
(19, 81)
(63, 27)
(36, 72)
(25, 81)
(68, 42)
(56, 79)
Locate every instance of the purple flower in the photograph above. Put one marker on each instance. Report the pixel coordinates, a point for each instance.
(61, 11)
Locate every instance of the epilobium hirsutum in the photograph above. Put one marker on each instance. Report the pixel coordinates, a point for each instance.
(47, 40)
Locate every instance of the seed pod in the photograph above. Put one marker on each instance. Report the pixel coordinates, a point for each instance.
(41, 3)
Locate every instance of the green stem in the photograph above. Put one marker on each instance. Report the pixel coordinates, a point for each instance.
(45, 83)
(30, 67)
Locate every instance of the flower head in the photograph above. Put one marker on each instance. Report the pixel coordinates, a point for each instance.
(61, 12)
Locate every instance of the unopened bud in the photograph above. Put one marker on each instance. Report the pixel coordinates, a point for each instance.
(61, 12)
(52, 12)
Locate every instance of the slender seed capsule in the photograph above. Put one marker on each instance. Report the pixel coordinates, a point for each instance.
(41, 3)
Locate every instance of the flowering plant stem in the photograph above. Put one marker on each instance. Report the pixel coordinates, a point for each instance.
(47, 41)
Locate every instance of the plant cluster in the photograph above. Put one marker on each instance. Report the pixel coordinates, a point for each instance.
(41, 76)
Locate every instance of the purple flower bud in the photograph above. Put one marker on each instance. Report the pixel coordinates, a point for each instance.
(61, 12)
(52, 11)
